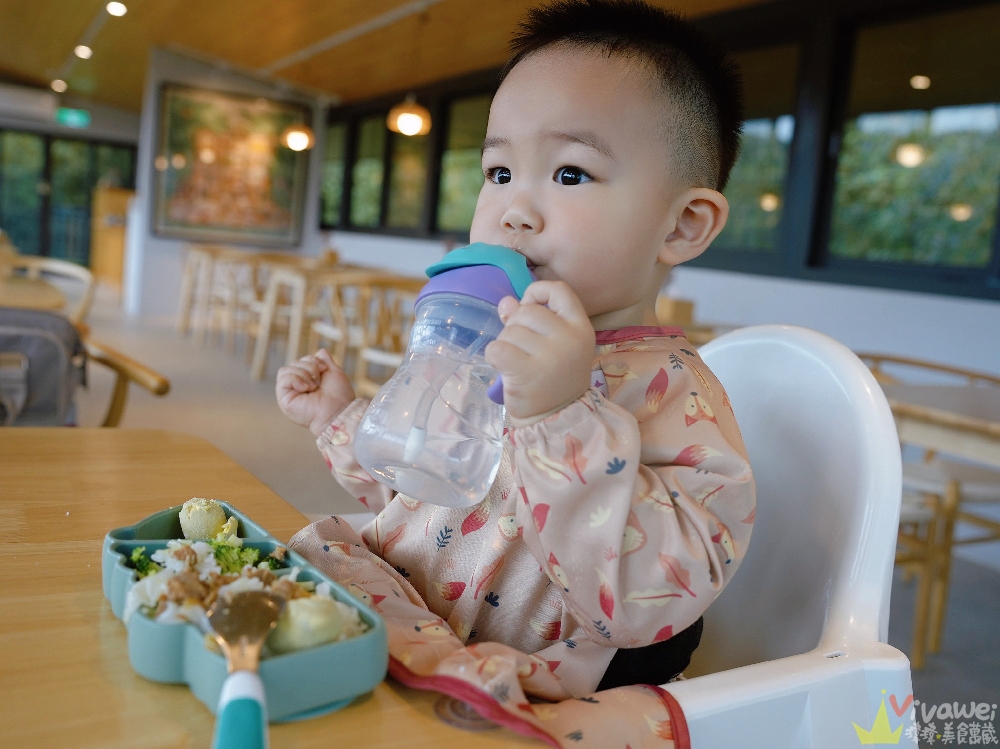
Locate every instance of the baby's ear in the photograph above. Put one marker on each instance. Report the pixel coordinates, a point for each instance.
(701, 214)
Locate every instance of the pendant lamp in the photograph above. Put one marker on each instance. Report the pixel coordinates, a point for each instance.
(409, 118)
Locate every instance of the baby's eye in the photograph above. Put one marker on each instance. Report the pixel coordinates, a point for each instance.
(571, 175)
(498, 174)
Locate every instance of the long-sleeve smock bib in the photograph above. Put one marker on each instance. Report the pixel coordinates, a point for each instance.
(612, 523)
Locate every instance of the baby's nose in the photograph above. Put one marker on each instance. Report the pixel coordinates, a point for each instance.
(521, 218)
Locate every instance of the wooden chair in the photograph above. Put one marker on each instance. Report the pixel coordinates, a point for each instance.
(344, 325)
(391, 304)
(947, 490)
(290, 301)
(196, 284)
(370, 315)
(36, 267)
(128, 371)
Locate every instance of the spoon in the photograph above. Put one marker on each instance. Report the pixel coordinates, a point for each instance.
(240, 624)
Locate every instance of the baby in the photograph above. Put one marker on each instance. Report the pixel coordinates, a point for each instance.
(624, 500)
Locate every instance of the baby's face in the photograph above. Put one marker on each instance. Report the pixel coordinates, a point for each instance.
(578, 179)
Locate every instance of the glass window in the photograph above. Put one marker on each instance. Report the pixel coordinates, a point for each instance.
(919, 165)
(756, 185)
(22, 183)
(332, 187)
(69, 217)
(114, 166)
(461, 164)
(407, 180)
(366, 176)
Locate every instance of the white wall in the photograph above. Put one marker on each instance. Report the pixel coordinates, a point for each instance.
(154, 264)
(407, 256)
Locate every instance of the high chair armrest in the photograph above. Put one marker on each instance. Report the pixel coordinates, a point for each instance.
(811, 700)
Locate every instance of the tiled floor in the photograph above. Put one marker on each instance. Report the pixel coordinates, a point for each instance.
(213, 396)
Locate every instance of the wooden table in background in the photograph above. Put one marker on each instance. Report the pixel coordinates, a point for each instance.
(63, 655)
(30, 293)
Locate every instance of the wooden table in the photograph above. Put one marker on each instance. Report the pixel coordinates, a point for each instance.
(30, 293)
(64, 670)
(956, 420)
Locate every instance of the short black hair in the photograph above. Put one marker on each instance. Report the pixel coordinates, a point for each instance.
(700, 79)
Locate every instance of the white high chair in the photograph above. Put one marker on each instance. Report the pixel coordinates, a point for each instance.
(794, 651)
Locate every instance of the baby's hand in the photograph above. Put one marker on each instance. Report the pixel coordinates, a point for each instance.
(312, 390)
(545, 350)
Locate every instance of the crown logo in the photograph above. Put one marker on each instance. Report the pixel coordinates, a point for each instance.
(881, 733)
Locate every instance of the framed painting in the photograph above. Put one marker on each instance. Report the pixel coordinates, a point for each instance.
(221, 171)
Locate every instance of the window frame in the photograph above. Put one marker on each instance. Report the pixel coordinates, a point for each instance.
(437, 98)
(825, 33)
(93, 143)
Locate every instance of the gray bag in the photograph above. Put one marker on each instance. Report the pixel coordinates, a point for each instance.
(42, 362)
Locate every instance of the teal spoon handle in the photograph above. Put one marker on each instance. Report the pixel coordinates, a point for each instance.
(241, 718)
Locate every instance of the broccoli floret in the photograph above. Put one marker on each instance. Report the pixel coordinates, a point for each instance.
(232, 559)
(143, 564)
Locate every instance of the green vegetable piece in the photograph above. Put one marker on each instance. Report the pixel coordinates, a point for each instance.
(143, 564)
(232, 559)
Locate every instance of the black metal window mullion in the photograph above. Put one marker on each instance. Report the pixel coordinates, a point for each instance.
(813, 158)
(350, 153)
(45, 235)
(439, 109)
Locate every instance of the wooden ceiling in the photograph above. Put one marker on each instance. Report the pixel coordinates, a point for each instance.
(448, 38)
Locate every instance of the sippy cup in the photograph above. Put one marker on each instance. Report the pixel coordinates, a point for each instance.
(434, 432)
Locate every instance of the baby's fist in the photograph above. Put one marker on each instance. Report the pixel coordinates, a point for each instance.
(313, 390)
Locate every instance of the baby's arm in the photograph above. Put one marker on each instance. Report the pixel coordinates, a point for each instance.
(640, 516)
(314, 392)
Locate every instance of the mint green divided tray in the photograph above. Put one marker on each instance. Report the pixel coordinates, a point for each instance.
(298, 685)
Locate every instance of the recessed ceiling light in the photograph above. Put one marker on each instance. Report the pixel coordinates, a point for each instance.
(83, 51)
(58, 85)
(116, 9)
(920, 82)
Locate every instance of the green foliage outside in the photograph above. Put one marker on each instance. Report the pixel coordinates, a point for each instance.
(22, 159)
(461, 181)
(407, 181)
(332, 188)
(759, 171)
(366, 192)
(332, 178)
(367, 174)
(887, 212)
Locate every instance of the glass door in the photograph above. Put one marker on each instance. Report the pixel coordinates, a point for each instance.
(69, 203)
(46, 187)
(23, 189)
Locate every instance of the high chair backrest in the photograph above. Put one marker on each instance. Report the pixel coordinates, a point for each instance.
(822, 444)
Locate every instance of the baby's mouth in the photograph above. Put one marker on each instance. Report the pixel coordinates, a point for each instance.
(531, 264)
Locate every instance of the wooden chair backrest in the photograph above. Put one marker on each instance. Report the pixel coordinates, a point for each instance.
(385, 306)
